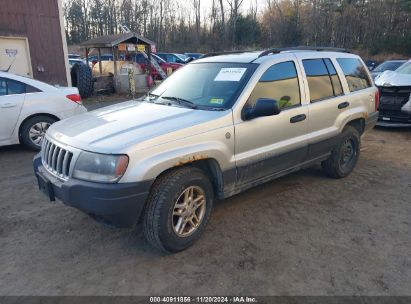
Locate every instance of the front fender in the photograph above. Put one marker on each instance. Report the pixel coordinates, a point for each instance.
(150, 163)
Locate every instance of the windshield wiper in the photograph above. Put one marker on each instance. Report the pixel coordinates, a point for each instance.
(151, 96)
(181, 101)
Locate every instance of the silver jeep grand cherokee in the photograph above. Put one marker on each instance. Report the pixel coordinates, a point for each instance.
(216, 127)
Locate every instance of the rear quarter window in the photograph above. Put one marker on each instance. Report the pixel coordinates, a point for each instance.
(30, 89)
(355, 74)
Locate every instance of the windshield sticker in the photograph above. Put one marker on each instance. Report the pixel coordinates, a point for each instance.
(230, 74)
(217, 101)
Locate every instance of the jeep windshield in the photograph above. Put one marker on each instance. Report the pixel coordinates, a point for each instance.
(205, 86)
(405, 68)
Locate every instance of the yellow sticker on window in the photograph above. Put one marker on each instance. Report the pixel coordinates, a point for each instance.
(217, 101)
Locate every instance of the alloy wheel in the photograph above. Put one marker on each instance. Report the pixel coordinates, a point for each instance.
(189, 211)
(37, 132)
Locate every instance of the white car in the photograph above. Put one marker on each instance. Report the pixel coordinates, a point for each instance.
(395, 101)
(28, 107)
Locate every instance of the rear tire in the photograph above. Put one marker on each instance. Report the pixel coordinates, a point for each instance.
(172, 202)
(344, 157)
(33, 130)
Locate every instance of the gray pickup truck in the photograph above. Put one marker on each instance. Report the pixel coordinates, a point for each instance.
(216, 127)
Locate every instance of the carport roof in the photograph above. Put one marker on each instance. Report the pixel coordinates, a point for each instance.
(112, 40)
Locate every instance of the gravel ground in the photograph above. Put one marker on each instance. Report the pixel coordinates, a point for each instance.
(303, 234)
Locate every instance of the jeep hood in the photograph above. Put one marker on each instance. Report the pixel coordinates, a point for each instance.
(392, 78)
(119, 127)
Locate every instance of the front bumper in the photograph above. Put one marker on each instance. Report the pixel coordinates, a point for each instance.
(394, 119)
(393, 106)
(381, 123)
(118, 205)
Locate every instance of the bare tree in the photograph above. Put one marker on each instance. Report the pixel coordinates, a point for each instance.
(371, 25)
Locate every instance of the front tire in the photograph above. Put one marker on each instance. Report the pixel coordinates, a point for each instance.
(344, 157)
(178, 209)
(34, 129)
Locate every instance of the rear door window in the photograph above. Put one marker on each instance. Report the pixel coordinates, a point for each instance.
(322, 78)
(335, 80)
(11, 87)
(318, 78)
(3, 87)
(355, 74)
(15, 87)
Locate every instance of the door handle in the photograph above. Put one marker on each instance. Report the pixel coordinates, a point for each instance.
(343, 105)
(298, 118)
(8, 105)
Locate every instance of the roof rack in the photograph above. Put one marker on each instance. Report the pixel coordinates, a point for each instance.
(303, 48)
(222, 53)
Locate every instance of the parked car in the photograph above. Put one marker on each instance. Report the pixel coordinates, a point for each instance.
(74, 56)
(166, 66)
(395, 102)
(28, 107)
(371, 64)
(194, 55)
(172, 58)
(389, 65)
(72, 62)
(216, 127)
(142, 61)
(105, 57)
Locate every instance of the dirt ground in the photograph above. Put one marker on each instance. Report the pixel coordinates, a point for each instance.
(303, 234)
(97, 101)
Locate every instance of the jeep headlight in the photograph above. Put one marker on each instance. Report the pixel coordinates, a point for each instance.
(100, 167)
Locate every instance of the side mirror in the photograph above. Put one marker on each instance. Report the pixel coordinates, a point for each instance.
(262, 107)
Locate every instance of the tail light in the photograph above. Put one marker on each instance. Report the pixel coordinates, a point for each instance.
(75, 97)
(377, 100)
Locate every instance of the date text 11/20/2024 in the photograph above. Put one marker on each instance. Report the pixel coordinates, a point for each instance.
(235, 299)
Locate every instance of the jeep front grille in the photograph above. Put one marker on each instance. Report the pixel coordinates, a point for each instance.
(393, 98)
(56, 159)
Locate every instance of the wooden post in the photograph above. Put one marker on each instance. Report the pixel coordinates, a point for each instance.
(115, 56)
(149, 58)
(99, 62)
(87, 57)
(115, 77)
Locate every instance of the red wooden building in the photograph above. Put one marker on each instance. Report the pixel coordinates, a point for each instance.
(32, 40)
